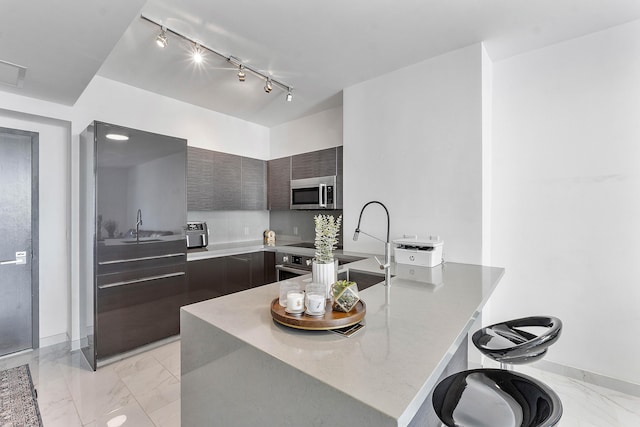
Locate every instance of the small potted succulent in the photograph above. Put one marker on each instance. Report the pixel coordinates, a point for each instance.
(345, 295)
(325, 267)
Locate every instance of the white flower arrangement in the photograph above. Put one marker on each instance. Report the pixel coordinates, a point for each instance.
(327, 229)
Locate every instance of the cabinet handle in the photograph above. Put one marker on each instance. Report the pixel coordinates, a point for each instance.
(146, 258)
(142, 279)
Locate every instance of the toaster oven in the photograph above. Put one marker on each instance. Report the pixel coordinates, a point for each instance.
(197, 234)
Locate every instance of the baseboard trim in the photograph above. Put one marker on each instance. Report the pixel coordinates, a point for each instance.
(147, 347)
(53, 340)
(600, 380)
(611, 383)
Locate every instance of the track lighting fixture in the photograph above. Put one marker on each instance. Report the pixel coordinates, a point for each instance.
(161, 40)
(197, 54)
(199, 50)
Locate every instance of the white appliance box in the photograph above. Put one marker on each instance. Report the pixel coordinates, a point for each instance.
(419, 252)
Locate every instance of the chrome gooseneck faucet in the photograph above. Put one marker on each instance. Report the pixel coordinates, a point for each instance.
(386, 266)
(138, 224)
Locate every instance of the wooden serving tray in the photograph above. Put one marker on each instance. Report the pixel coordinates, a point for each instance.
(330, 319)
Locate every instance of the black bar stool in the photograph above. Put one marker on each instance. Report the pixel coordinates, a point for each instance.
(511, 343)
(495, 398)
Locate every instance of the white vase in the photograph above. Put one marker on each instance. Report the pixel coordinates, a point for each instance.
(326, 274)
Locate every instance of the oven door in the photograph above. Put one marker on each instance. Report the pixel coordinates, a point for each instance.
(284, 272)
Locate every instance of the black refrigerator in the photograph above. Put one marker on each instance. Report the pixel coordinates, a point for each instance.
(133, 244)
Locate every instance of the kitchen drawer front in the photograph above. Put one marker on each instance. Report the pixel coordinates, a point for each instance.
(138, 311)
(131, 266)
(127, 251)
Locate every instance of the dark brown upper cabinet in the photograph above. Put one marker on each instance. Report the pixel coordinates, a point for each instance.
(279, 184)
(314, 164)
(221, 181)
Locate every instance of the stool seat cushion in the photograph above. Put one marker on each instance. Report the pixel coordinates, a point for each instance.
(511, 342)
(495, 398)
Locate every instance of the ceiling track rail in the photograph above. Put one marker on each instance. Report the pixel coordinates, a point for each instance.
(230, 58)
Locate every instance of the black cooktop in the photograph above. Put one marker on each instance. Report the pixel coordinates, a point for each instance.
(302, 245)
(307, 245)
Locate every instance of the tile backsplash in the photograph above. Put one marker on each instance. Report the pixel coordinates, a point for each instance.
(298, 224)
(238, 226)
(233, 226)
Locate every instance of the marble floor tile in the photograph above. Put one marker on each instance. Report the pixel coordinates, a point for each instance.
(130, 415)
(588, 405)
(169, 357)
(98, 393)
(167, 416)
(56, 405)
(153, 386)
(144, 390)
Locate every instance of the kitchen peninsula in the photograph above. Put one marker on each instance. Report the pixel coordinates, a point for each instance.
(240, 368)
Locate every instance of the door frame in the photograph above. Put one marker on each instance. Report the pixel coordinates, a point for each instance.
(35, 234)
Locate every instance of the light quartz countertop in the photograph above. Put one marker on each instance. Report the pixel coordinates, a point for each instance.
(236, 248)
(226, 249)
(393, 363)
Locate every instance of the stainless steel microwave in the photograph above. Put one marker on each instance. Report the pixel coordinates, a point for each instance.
(315, 193)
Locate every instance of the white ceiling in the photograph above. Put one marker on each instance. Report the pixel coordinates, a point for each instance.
(318, 48)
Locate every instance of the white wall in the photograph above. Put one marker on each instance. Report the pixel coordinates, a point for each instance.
(311, 133)
(413, 140)
(113, 102)
(54, 198)
(566, 193)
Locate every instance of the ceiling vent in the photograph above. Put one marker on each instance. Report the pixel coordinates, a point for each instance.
(12, 74)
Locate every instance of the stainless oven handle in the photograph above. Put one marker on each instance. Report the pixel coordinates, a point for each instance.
(292, 270)
(322, 196)
(143, 279)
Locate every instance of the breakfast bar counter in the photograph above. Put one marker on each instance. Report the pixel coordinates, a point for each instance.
(240, 368)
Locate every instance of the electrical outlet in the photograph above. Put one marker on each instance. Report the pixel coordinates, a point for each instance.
(246, 231)
(295, 230)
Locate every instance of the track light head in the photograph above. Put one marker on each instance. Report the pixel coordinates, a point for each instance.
(161, 40)
(197, 54)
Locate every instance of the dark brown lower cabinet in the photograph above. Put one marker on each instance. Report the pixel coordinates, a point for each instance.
(138, 312)
(214, 277)
(205, 279)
